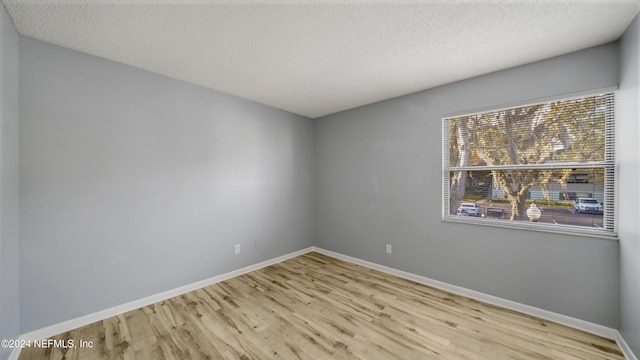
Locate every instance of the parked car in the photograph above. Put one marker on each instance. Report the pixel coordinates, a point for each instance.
(470, 209)
(587, 205)
(493, 212)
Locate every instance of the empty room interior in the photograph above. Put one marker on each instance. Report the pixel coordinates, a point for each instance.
(320, 180)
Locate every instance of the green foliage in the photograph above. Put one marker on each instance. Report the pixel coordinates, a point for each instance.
(563, 131)
(472, 197)
(539, 202)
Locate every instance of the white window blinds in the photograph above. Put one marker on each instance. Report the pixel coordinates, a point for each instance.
(550, 155)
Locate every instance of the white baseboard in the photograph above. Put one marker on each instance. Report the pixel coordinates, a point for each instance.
(14, 354)
(136, 304)
(583, 325)
(626, 350)
(586, 326)
(589, 327)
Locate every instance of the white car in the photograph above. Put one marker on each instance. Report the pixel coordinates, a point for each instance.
(470, 209)
(587, 205)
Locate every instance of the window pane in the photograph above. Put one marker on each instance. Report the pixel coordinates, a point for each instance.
(563, 131)
(564, 196)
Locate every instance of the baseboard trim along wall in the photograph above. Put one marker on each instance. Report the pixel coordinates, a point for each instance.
(596, 329)
(586, 326)
(68, 325)
(626, 350)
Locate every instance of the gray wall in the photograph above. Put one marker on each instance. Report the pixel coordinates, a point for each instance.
(9, 284)
(629, 170)
(378, 181)
(132, 183)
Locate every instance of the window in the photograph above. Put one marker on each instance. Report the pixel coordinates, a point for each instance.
(548, 166)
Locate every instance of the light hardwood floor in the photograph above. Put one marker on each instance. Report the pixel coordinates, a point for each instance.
(317, 307)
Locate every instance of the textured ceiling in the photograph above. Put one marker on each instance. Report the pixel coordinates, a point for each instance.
(322, 57)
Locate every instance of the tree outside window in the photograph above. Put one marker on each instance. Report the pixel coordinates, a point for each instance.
(547, 154)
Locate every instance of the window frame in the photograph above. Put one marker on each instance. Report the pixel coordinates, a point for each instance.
(609, 166)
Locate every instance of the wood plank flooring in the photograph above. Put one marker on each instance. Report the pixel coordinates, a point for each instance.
(317, 307)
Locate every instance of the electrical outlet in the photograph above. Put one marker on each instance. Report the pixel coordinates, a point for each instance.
(237, 249)
(256, 246)
(388, 249)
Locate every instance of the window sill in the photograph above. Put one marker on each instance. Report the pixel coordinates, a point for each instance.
(546, 228)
